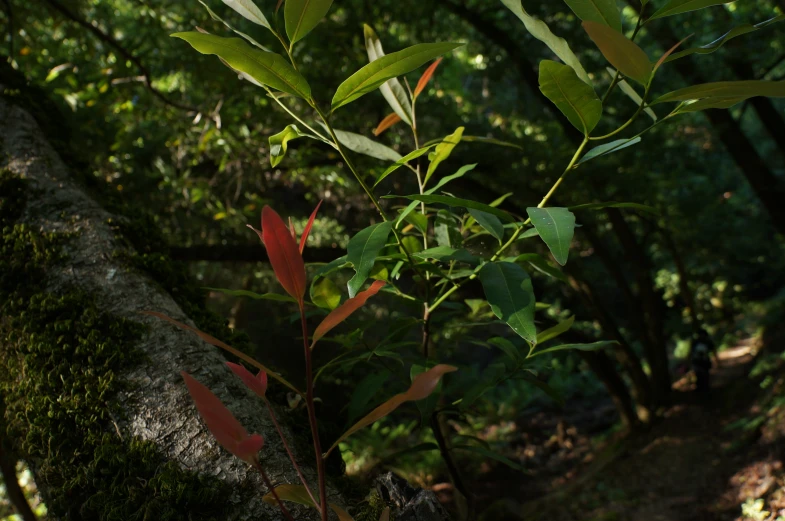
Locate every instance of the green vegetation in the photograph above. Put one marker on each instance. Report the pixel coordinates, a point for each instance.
(557, 207)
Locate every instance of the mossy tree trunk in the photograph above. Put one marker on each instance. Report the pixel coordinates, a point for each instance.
(94, 398)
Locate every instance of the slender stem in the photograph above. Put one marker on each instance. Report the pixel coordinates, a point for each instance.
(426, 313)
(452, 468)
(365, 187)
(296, 117)
(289, 451)
(270, 487)
(518, 231)
(629, 121)
(309, 402)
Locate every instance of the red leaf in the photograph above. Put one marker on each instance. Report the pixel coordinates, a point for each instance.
(343, 311)
(221, 423)
(284, 255)
(258, 383)
(258, 232)
(426, 77)
(422, 386)
(217, 343)
(386, 123)
(291, 230)
(307, 230)
(670, 51)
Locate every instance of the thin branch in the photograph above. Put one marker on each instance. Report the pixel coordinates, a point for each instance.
(125, 53)
(14, 492)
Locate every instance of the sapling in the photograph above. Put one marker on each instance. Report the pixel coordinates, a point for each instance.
(429, 240)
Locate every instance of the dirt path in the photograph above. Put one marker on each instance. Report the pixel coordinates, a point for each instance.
(679, 471)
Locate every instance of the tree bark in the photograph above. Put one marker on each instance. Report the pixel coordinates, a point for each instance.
(641, 388)
(152, 404)
(602, 366)
(652, 304)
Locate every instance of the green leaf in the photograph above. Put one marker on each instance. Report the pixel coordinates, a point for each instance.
(419, 221)
(392, 90)
(556, 226)
(325, 294)
(446, 229)
(228, 26)
(608, 148)
(540, 30)
(362, 251)
(257, 296)
(490, 454)
(726, 89)
(508, 289)
(621, 52)
(558, 329)
(447, 254)
(572, 97)
(267, 68)
(579, 347)
(402, 161)
(412, 244)
(722, 40)
(280, 141)
(612, 204)
(249, 11)
(604, 12)
(301, 16)
(490, 223)
(454, 201)
(443, 181)
(364, 393)
(442, 152)
(363, 145)
(541, 265)
(507, 347)
(627, 89)
(709, 103)
(392, 65)
(683, 6)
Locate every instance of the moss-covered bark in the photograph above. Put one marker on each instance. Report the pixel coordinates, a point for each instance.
(92, 395)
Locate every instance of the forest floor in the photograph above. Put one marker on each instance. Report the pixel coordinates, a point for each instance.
(708, 457)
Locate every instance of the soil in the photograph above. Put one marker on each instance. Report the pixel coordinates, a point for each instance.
(698, 463)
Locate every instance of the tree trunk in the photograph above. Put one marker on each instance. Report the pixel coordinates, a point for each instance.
(652, 304)
(641, 388)
(94, 397)
(603, 367)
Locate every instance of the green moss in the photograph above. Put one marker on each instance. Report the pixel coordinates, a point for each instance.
(372, 508)
(60, 357)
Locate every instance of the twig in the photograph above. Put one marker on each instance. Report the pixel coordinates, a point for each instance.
(123, 51)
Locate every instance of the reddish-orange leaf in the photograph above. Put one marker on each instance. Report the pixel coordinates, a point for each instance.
(221, 423)
(670, 51)
(343, 311)
(307, 230)
(257, 384)
(291, 230)
(217, 343)
(298, 494)
(258, 232)
(426, 77)
(278, 6)
(387, 122)
(422, 386)
(284, 254)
